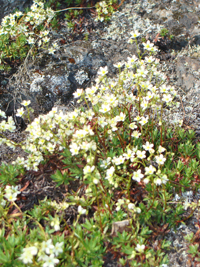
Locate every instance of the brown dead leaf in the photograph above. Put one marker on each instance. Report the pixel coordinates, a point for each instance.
(121, 226)
(26, 185)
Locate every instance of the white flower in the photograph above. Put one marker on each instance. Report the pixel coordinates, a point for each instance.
(81, 210)
(149, 46)
(164, 88)
(121, 117)
(149, 96)
(133, 126)
(10, 124)
(118, 160)
(55, 223)
(134, 34)
(92, 145)
(30, 40)
(64, 205)
(95, 180)
(167, 98)
(46, 39)
(55, 45)
(88, 169)
(34, 7)
(74, 148)
(18, 14)
(110, 172)
(148, 146)
(119, 203)
(161, 149)
(146, 180)
(131, 206)
(25, 103)
(149, 59)
(20, 112)
(140, 248)
(143, 120)
(186, 204)
(103, 71)
(136, 134)
(11, 193)
(129, 154)
(91, 91)
(138, 118)
(130, 98)
(142, 72)
(130, 41)
(49, 261)
(132, 59)
(176, 197)
(105, 108)
(10, 197)
(157, 181)
(14, 189)
(51, 50)
(27, 255)
(128, 65)
(3, 202)
(180, 123)
(58, 248)
(45, 33)
(113, 122)
(164, 179)
(141, 154)
(47, 246)
(160, 159)
(105, 163)
(137, 176)
(118, 65)
(2, 114)
(150, 170)
(144, 104)
(12, 23)
(78, 93)
(138, 210)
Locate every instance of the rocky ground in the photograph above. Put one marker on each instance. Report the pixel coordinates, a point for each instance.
(50, 80)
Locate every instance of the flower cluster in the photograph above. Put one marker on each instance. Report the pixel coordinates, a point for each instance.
(116, 148)
(125, 203)
(150, 171)
(104, 10)
(11, 193)
(37, 16)
(49, 133)
(46, 251)
(20, 31)
(7, 126)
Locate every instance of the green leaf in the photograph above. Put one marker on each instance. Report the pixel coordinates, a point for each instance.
(60, 178)
(193, 249)
(189, 237)
(8, 174)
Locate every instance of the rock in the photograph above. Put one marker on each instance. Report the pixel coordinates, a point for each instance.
(8, 6)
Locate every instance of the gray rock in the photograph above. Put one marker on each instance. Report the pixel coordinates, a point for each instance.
(8, 6)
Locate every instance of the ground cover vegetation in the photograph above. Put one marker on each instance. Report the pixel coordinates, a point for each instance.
(29, 32)
(130, 166)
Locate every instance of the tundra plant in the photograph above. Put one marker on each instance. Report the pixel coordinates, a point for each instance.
(105, 9)
(128, 164)
(19, 32)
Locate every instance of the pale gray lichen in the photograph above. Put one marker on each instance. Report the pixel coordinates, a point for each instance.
(36, 84)
(81, 76)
